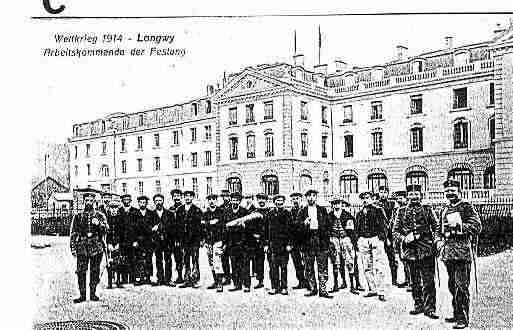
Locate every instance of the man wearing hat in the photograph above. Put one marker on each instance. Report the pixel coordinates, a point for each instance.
(341, 250)
(298, 239)
(190, 216)
(87, 244)
(315, 222)
(388, 205)
(113, 239)
(414, 230)
(371, 234)
(127, 215)
(176, 235)
(254, 239)
(277, 236)
(225, 195)
(457, 243)
(163, 233)
(215, 238)
(106, 199)
(402, 201)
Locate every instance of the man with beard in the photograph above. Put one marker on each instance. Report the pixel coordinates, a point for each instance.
(87, 245)
(315, 222)
(456, 240)
(371, 233)
(402, 201)
(176, 235)
(141, 241)
(163, 233)
(190, 216)
(226, 205)
(414, 230)
(277, 242)
(104, 206)
(254, 239)
(298, 240)
(127, 214)
(389, 206)
(215, 238)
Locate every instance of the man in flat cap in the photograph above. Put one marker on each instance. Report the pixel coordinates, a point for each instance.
(190, 216)
(298, 239)
(371, 233)
(176, 236)
(254, 239)
(414, 230)
(127, 214)
(388, 205)
(277, 237)
(457, 243)
(106, 199)
(87, 243)
(215, 239)
(226, 205)
(402, 201)
(341, 250)
(247, 203)
(163, 233)
(315, 222)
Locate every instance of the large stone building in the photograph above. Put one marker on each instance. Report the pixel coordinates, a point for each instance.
(283, 128)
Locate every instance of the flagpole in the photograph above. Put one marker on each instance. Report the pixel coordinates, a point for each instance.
(319, 45)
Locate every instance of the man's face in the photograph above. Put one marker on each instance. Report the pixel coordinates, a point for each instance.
(311, 199)
(366, 200)
(88, 201)
(337, 206)
(414, 196)
(279, 202)
(235, 202)
(295, 201)
(142, 203)
(383, 194)
(106, 200)
(212, 203)
(159, 202)
(402, 200)
(452, 194)
(177, 198)
(188, 198)
(126, 201)
(261, 202)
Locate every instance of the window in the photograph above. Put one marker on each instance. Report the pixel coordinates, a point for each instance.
(324, 146)
(194, 109)
(141, 120)
(158, 187)
(193, 135)
(304, 144)
(76, 152)
(194, 159)
(208, 133)
(75, 130)
(123, 145)
(376, 110)
(416, 139)
(348, 184)
(417, 177)
(232, 116)
(156, 140)
(156, 162)
(461, 134)
(234, 184)
(123, 166)
(376, 180)
(492, 128)
(139, 143)
(492, 93)
(176, 161)
(324, 114)
(348, 146)
(88, 169)
(234, 147)
(176, 139)
(209, 106)
(463, 176)
(489, 178)
(416, 104)
(103, 126)
(250, 139)
(139, 165)
(459, 98)
(177, 183)
(104, 148)
(348, 114)
(250, 114)
(88, 150)
(126, 122)
(124, 188)
(304, 110)
(208, 158)
(270, 185)
(195, 186)
(377, 143)
(209, 185)
(325, 189)
(305, 182)
(417, 66)
(269, 144)
(268, 110)
(76, 170)
(104, 171)
(141, 188)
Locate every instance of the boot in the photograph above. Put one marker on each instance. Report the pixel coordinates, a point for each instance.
(335, 280)
(343, 276)
(259, 285)
(214, 284)
(92, 293)
(353, 288)
(219, 282)
(81, 279)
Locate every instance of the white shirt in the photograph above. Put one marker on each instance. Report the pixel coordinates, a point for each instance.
(143, 212)
(312, 214)
(160, 213)
(187, 207)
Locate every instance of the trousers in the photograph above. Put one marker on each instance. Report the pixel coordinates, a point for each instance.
(215, 255)
(342, 253)
(297, 259)
(459, 282)
(240, 259)
(314, 252)
(279, 258)
(372, 251)
(191, 264)
(93, 264)
(422, 275)
(164, 261)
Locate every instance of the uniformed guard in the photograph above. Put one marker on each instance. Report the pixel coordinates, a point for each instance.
(254, 239)
(126, 219)
(298, 241)
(190, 216)
(141, 238)
(215, 239)
(226, 205)
(163, 234)
(277, 236)
(457, 243)
(371, 233)
(414, 230)
(315, 222)
(87, 243)
(177, 235)
(388, 205)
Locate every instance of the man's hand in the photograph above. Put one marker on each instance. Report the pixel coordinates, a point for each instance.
(155, 228)
(409, 238)
(135, 244)
(214, 221)
(439, 246)
(74, 253)
(388, 243)
(307, 221)
(289, 248)
(116, 247)
(266, 249)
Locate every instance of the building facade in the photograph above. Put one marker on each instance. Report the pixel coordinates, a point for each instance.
(281, 128)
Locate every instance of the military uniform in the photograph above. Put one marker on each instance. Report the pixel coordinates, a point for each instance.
(277, 236)
(88, 231)
(163, 245)
(298, 247)
(190, 218)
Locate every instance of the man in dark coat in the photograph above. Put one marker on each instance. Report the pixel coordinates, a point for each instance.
(162, 234)
(87, 243)
(115, 260)
(315, 222)
(414, 230)
(254, 239)
(298, 240)
(456, 241)
(104, 206)
(215, 240)
(226, 205)
(277, 237)
(176, 235)
(388, 205)
(126, 218)
(190, 216)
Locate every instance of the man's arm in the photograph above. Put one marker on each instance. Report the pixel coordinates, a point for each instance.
(471, 225)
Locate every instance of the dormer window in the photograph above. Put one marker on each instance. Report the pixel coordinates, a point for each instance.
(461, 58)
(417, 66)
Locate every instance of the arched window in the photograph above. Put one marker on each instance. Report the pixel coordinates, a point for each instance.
(376, 180)
(270, 185)
(464, 176)
(348, 184)
(417, 177)
(104, 170)
(305, 182)
(489, 178)
(234, 184)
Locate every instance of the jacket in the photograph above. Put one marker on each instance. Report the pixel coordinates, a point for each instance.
(236, 235)
(86, 238)
(277, 233)
(189, 225)
(214, 232)
(371, 221)
(141, 229)
(323, 226)
(167, 226)
(125, 221)
(297, 228)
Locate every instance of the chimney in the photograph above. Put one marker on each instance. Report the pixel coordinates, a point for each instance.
(498, 30)
(402, 52)
(299, 60)
(210, 90)
(321, 69)
(449, 42)
(340, 65)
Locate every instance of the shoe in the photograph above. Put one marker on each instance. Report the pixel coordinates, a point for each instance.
(94, 297)
(451, 320)
(354, 291)
(273, 292)
(79, 300)
(325, 295)
(408, 289)
(109, 287)
(343, 286)
(219, 289)
(171, 284)
(227, 281)
(359, 288)
(416, 311)
(185, 285)
(179, 280)
(460, 325)
(284, 292)
(259, 285)
(299, 287)
(382, 298)
(155, 283)
(237, 288)
(432, 315)
(212, 286)
(394, 283)
(335, 289)
(247, 289)
(311, 294)
(402, 285)
(370, 294)
(195, 285)
(138, 283)
(119, 286)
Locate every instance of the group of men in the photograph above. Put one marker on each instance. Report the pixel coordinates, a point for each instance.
(239, 237)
